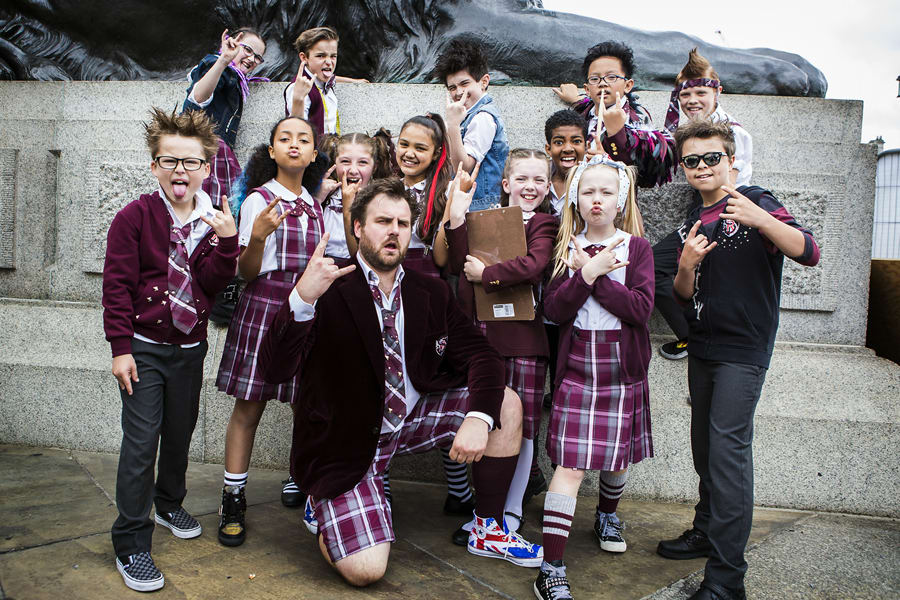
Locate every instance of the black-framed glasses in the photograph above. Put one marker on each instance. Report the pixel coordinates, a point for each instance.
(259, 59)
(710, 159)
(609, 79)
(170, 163)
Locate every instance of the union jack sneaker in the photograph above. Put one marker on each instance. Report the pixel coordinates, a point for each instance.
(139, 572)
(182, 524)
(309, 517)
(489, 539)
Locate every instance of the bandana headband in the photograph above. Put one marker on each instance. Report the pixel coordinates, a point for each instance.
(600, 159)
(672, 114)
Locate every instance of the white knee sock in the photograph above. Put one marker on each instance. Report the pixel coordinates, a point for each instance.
(519, 483)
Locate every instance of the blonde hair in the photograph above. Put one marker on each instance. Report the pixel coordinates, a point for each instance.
(517, 154)
(572, 223)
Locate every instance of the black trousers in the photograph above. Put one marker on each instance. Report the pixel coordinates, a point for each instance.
(162, 412)
(665, 267)
(723, 401)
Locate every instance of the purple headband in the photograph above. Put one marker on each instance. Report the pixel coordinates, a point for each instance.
(674, 108)
(243, 80)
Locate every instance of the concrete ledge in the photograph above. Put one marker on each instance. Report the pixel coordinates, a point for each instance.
(827, 425)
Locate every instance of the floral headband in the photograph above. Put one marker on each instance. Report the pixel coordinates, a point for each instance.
(674, 109)
(600, 159)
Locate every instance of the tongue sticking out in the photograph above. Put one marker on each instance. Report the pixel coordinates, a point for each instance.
(179, 190)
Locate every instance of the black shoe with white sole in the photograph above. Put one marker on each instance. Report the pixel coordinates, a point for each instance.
(552, 583)
(674, 350)
(139, 572)
(608, 529)
(232, 530)
(291, 496)
(182, 524)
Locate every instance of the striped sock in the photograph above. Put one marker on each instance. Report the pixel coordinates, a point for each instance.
(386, 478)
(612, 484)
(558, 512)
(236, 479)
(457, 477)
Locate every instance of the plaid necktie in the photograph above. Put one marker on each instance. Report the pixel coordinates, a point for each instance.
(394, 390)
(181, 299)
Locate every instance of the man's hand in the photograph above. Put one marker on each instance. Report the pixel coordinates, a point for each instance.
(470, 441)
(125, 371)
(320, 273)
(222, 222)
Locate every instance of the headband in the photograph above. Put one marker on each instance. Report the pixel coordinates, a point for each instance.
(600, 159)
(674, 110)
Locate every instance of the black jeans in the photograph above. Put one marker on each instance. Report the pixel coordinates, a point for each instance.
(161, 412)
(723, 401)
(665, 266)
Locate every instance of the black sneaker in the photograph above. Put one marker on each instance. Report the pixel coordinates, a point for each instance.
(548, 401)
(536, 485)
(455, 506)
(291, 496)
(674, 350)
(460, 537)
(608, 529)
(693, 543)
(231, 516)
(551, 582)
(182, 524)
(139, 572)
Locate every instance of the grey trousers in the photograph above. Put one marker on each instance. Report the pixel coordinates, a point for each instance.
(723, 400)
(162, 412)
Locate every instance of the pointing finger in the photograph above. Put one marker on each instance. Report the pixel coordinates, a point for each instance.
(271, 205)
(207, 221)
(226, 207)
(329, 172)
(693, 232)
(465, 97)
(319, 252)
(475, 172)
(615, 243)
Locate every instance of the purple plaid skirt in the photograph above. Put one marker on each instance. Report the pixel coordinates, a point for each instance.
(525, 375)
(421, 260)
(224, 170)
(598, 422)
(361, 518)
(256, 308)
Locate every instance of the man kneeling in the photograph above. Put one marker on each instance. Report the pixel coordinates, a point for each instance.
(390, 366)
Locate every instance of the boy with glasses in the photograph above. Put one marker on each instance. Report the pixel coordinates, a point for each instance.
(617, 124)
(167, 255)
(729, 280)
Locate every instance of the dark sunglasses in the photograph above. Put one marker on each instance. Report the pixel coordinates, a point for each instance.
(710, 159)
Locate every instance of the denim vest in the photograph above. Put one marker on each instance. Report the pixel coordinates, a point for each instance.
(227, 103)
(487, 192)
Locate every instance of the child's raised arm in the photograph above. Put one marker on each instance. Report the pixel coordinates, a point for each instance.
(228, 50)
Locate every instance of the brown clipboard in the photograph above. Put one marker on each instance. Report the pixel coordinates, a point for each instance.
(496, 235)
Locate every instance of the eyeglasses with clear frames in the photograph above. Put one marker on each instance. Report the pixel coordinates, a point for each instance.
(170, 163)
(259, 59)
(609, 79)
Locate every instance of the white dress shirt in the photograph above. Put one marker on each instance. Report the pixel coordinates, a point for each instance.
(592, 315)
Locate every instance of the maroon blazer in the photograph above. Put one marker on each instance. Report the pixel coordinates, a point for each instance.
(510, 338)
(631, 302)
(341, 355)
(136, 276)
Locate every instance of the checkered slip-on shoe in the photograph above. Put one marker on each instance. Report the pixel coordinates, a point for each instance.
(182, 524)
(291, 496)
(608, 529)
(309, 517)
(488, 539)
(139, 572)
(552, 583)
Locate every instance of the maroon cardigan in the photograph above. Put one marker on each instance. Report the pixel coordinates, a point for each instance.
(340, 355)
(136, 276)
(510, 338)
(632, 303)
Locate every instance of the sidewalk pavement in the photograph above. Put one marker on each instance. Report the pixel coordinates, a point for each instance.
(57, 506)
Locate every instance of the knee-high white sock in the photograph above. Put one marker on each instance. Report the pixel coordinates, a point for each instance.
(519, 483)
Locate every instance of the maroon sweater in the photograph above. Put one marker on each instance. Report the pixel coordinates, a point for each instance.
(509, 338)
(632, 303)
(136, 276)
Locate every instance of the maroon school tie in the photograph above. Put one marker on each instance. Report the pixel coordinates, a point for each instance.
(301, 207)
(394, 390)
(181, 299)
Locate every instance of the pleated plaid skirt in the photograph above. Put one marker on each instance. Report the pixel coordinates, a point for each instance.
(224, 170)
(598, 422)
(239, 374)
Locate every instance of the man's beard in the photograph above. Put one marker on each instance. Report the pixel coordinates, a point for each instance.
(373, 258)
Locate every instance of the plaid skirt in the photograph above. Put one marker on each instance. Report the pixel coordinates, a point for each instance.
(598, 422)
(361, 518)
(256, 308)
(224, 170)
(421, 260)
(525, 375)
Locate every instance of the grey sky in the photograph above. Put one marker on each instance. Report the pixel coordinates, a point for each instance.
(854, 44)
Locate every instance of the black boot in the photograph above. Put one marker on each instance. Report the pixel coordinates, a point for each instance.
(231, 516)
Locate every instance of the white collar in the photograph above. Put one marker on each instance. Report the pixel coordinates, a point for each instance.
(286, 194)
(202, 207)
(372, 277)
(582, 238)
(418, 186)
